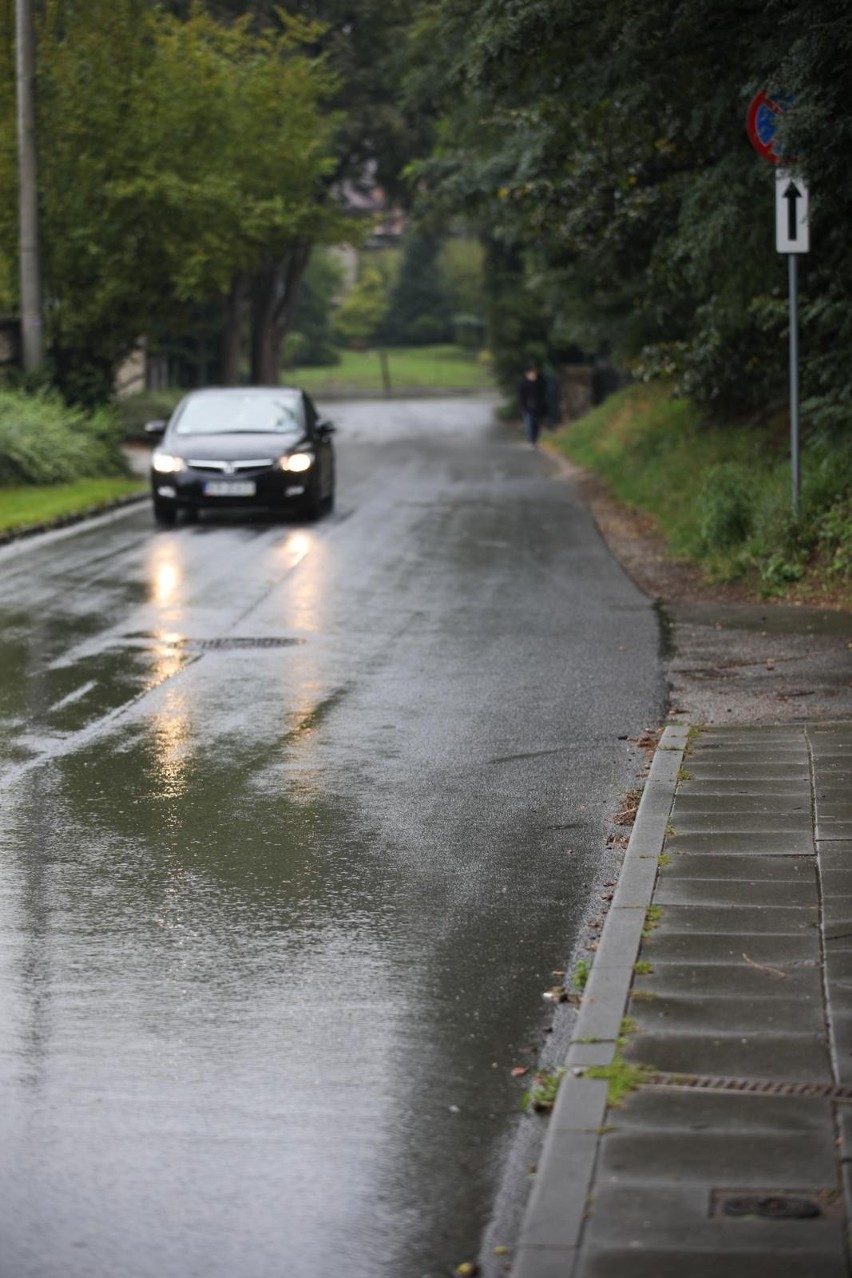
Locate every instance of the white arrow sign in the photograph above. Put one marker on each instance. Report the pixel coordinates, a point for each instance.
(792, 234)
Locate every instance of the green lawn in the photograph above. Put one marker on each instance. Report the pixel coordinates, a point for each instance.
(409, 368)
(30, 506)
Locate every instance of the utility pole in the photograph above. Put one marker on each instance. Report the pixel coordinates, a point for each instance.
(32, 338)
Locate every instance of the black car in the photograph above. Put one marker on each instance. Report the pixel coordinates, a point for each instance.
(246, 447)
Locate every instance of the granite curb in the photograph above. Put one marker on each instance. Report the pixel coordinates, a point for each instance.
(553, 1221)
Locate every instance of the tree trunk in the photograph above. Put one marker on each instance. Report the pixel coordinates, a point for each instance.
(235, 305)
(274, 293)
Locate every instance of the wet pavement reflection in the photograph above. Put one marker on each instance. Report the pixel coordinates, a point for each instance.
(296, 822)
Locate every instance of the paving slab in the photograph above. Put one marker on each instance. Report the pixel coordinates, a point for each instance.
(736, 891)
(745, 980)
(835, 810)
(836, 882)
(740, 920)
(724, 821)
(782, 790)
(695, 947)
(793, 1057)
(749, 1113)
(778, 1263)
(671, 1013)
(715, 1234)
(835, 855)
(709, 865)
(830, 828)
(717, 1158)
(837, 909)
(791, 843)
(689, 800)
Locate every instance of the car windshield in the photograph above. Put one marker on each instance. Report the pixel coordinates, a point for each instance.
(241, 415)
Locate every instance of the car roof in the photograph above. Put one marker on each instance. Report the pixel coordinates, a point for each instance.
(222, 391)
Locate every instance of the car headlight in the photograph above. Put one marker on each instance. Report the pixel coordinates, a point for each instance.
(167, 464)
(297, 462)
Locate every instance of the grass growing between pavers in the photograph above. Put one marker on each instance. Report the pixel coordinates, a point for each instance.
(30, 506)
(621, 1077)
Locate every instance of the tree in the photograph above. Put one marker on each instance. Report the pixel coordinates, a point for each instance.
(600, 147)
(184, 155)
(420, 309)
(361, 316)
(363, 47)
(311, 341)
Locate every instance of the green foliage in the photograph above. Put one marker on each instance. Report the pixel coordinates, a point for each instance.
(601, 147)
(421, 306)
(621, 1077)
(133, 411)
(725, 507)
(361, 315)
(181, 151)
(311, 341)
(721, 494)
(42, 441)
(542, 1095)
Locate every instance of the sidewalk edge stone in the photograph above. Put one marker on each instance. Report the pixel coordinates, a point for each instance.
(553, 1221)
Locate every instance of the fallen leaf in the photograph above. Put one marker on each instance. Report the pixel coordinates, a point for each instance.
(501, 1251)
(519, 1071)
(467, 1269)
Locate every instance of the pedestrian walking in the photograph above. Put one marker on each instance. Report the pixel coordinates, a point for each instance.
(532, 400)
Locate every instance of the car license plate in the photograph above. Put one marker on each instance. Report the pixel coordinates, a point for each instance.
(230, 488)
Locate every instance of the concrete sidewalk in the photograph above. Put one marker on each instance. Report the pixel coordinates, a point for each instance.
(722, 986)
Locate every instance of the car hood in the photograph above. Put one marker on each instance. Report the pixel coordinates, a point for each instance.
(231, 447)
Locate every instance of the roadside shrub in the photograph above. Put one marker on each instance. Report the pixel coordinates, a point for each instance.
(726, 507)
(133, 411)
(43, 441)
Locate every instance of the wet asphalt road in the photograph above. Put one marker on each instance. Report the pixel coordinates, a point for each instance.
(296, 821)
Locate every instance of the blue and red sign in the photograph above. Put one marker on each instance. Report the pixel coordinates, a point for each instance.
(764, 115)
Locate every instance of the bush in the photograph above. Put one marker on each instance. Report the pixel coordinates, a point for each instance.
(42, 441)
(133, 411)
(726, 507)
(722, 493)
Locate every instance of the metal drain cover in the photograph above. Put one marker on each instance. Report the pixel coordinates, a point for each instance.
(238, 644)
(770, 1204)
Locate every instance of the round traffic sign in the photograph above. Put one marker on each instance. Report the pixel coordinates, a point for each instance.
(764, 114)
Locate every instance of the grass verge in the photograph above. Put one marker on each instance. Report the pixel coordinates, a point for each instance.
(409, 368)
(721, 493)
(31, 506)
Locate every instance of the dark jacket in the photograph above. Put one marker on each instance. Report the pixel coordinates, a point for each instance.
(532, 395)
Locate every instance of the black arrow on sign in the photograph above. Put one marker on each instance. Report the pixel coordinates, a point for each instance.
(792, 195)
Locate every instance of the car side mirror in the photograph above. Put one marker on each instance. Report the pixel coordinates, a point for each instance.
(325, 428)
(155, 428)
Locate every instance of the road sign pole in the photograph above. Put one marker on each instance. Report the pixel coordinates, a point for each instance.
(794, 377)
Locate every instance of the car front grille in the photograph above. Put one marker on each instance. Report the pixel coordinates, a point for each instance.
(230, 467)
